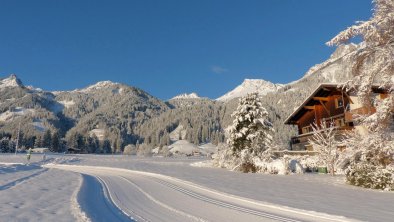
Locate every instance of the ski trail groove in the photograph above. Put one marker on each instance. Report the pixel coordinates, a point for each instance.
(163, 204)
(111, 199)
(223, 204)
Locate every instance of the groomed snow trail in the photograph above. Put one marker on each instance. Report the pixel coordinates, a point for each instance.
(146, 196)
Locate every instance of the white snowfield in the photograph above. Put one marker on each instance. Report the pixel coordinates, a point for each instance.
(33, 193)
(127, 188)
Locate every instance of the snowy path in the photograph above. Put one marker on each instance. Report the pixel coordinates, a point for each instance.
(154, 197)
(95, 203)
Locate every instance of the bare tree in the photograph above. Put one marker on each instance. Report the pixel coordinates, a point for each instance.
(324, 140)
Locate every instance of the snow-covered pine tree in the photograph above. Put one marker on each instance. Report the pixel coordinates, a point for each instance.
(106, 146)
(250, 135)
(46, 141)
(4, 145)
(373, 64)
(55, 142)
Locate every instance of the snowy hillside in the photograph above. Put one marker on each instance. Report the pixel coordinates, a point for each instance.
(249, 86)
(187, 96)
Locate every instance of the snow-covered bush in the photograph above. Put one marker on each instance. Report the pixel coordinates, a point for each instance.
(144, 150)
(369, 176)
(130, 150)
(224, 158)
(165, 151)
(372, 162)
(273, 166)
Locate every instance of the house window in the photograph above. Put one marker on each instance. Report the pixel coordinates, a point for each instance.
(340, 122)
(338, 103)
(306, 129)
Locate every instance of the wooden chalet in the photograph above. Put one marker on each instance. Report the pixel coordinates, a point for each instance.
(328, 103)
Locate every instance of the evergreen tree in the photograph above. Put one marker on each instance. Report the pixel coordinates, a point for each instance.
(251, 129)
(29, 142)
(95, 144)
(251, 133)
(81, 143)
(5, 145)
(46, 141)
(106, 147)
(90, 146)
(55, 142)
(38, 142)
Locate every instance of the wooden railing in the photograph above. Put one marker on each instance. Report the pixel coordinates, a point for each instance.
(294, 153)
(304, 138)
(352, 114)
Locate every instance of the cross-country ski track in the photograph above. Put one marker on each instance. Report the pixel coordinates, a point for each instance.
(120, 195)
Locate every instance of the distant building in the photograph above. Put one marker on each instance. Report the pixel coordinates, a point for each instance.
(328, 103)
(40, 150)
(73, 150)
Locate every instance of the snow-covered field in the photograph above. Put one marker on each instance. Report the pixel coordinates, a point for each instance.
(33, 193)
(176, 191)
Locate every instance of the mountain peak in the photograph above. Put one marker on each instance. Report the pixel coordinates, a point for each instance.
(256, 82)
(11, 81)
(249, 86)
(100, 85)
(192, 95)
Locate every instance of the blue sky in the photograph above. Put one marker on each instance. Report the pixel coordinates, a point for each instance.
(169, 47)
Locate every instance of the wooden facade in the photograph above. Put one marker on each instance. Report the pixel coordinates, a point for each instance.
(328, 103)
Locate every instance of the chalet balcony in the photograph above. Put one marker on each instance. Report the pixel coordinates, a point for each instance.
(301, 142)
(350, 115)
